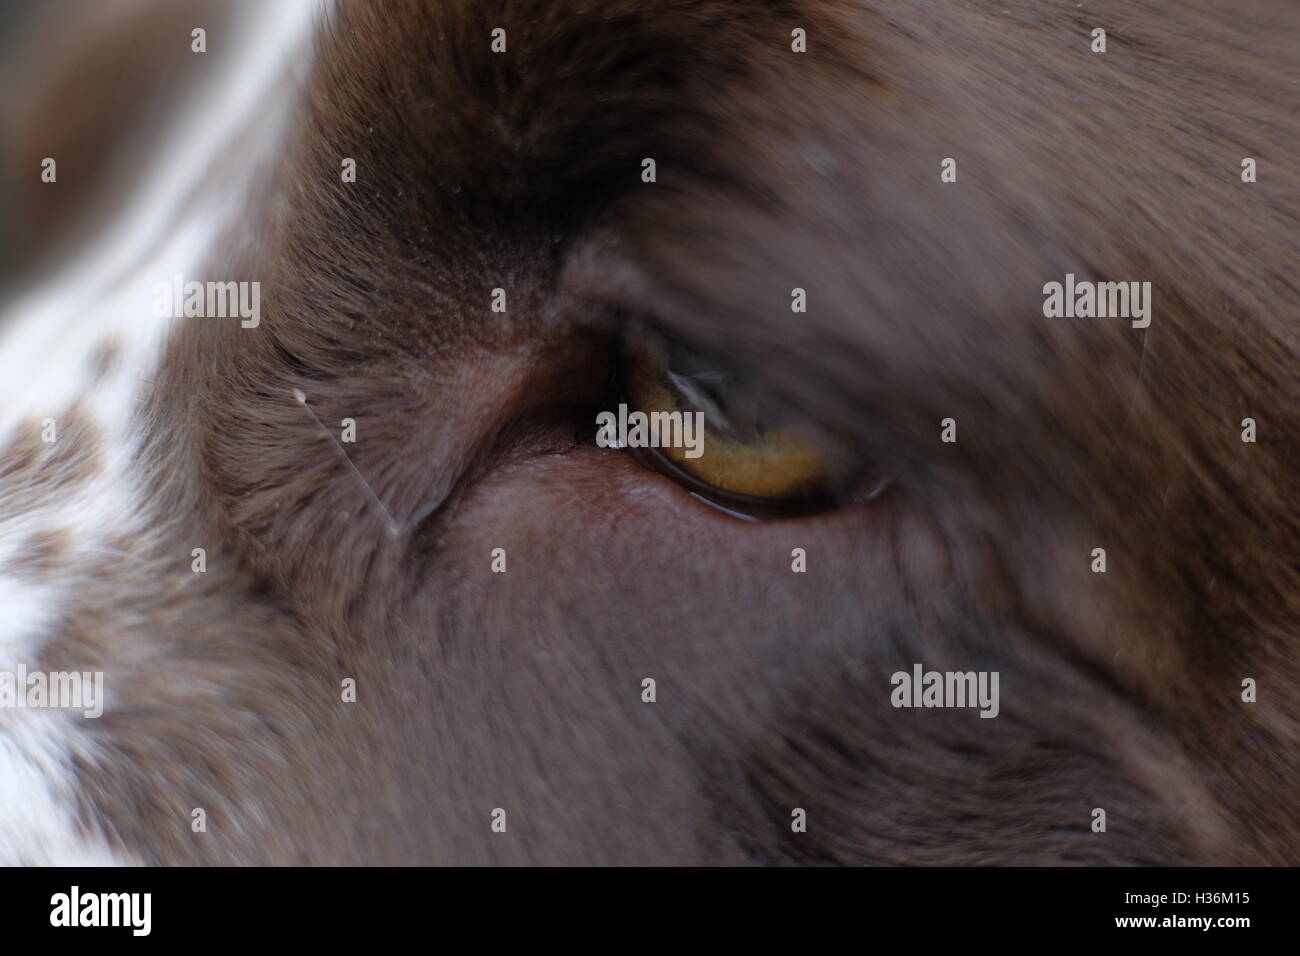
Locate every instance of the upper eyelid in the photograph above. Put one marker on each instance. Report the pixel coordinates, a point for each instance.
(794, 414)
(732, 372)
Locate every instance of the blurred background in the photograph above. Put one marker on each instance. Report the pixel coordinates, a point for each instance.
(92, 84)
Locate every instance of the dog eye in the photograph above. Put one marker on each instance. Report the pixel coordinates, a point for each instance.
(748, 457)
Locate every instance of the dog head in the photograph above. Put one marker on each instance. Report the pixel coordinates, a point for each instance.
(496, 589)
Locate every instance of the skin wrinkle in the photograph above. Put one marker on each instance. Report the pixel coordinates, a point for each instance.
(521, 690)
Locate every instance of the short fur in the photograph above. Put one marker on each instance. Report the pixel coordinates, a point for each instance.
(775, 170)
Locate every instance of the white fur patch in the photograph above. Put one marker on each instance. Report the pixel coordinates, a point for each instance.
(47, 342)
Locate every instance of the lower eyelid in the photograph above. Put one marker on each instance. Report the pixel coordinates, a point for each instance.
(725, 510)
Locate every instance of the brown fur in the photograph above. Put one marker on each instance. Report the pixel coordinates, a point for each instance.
(775, 170)
(34, 471)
